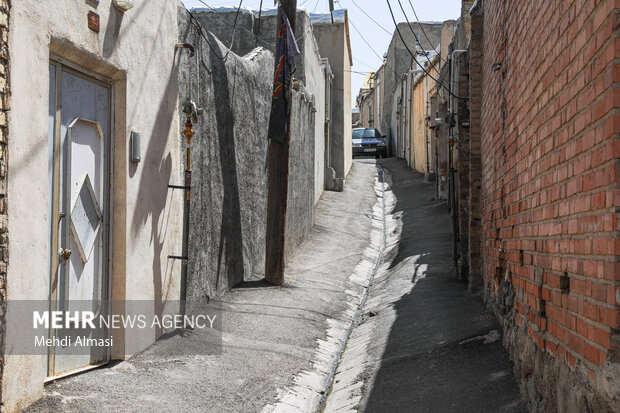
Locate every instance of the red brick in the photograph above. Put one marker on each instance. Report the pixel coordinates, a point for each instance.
(549, 169)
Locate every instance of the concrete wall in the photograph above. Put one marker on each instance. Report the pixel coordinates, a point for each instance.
(229, 160)
(333, 45)
(418, 126)
(250, 33)
(423, 87)
(136, 53)
(367, 109)
(544, 126)
(399, 61)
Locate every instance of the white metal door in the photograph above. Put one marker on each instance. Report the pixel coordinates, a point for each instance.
(79, 267)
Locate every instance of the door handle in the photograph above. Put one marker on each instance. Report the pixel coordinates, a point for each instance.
(65, 253)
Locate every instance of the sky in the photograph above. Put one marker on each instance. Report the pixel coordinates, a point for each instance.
(364, 59)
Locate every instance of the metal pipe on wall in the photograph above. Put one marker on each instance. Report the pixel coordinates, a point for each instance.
(425, 126)
(410, 116)
(451, 175)
(191, 112)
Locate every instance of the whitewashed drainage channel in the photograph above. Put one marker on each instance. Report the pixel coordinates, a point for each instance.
(312, 388)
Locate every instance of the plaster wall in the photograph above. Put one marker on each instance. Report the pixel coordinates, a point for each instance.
(229, 162)
(417, 128)
(314, 95)
(135, 52)
(423, 86)
(399, 61)
(367, 105)
(251, 32)
(332, 42)
(398, 123)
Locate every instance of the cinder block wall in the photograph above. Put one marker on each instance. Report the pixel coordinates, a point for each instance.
(549, 197)
(5, 8)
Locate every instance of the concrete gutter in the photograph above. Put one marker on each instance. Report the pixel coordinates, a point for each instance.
(356, 318)
(422, 343)
(312, 388)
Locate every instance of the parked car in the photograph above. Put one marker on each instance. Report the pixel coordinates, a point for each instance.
(369, 142)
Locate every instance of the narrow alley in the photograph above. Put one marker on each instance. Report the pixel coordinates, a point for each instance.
(417, 342)
(310, 206)
(424, 344)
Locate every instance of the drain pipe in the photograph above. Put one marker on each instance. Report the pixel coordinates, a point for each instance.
(410, 114)
(426, 119)
(437, 159)
(452, 186)
(191, 116)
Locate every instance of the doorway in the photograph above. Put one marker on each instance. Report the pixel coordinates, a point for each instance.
(79, 149)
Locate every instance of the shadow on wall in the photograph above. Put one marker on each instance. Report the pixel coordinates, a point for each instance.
(230, 251)
(153, 192)
(229, 153)
(112, 31)
(228, 205)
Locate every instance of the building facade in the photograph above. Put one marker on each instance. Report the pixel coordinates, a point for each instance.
(97, 117)
(523, 137)
(547, 134)
(335, 45)
(80, 95)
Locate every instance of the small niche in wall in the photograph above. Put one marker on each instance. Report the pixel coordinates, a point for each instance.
(565, 283)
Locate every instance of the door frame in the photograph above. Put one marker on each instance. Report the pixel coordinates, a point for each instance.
(62, 65)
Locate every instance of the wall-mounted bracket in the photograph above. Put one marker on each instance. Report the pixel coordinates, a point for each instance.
(176, 257)
(180, 186)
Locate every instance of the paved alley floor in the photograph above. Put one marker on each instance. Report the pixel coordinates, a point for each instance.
(370, 319)
(422, 344)
(279, 343)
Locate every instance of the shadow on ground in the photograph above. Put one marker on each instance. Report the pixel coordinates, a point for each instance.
(444, 352)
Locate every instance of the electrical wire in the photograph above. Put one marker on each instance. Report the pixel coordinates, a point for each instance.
(422, 28)
(371, 48)
(374, 21)
(414, 58)
(351, 71)
(260, 11)
(364, 63)
(232, 40)
(316, 5)
(260, 39)
(430, 64)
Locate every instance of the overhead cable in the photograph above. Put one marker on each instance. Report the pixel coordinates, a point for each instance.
(414, 58)
(232, 40)
(374, 21)
(422, 28)
(371, 48)
(430, 64)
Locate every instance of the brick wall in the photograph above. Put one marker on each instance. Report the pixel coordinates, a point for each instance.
(5, 6)
(544, 76)
(475, 103)
(461, 161)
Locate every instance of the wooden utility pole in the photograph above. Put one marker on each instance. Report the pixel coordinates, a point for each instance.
(277, 190)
